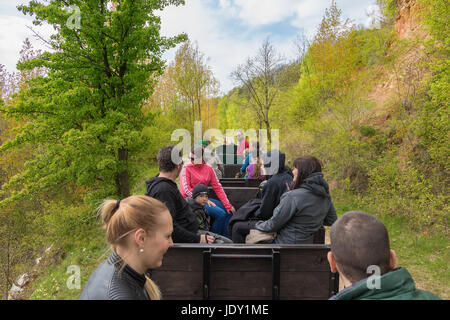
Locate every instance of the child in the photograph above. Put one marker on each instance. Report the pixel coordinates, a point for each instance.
(197, 203)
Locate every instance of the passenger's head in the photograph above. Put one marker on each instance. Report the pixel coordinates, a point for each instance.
(239, 135)
(359, 240)
(200, 194)
(197, 154)
(274, 162)
(140, 227)
(169, 159)
(303, 167)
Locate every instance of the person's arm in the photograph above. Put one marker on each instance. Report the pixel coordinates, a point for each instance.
(268, 202)
(246, 163)
(217, 187)
(185, 182)
(331, 216)
(281, 215)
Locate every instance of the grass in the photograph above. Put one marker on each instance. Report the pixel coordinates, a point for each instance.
(425, 255)
(52, 282)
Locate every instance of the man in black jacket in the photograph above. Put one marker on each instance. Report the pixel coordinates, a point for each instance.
(276, 185)
(271, 194)
(164, 188)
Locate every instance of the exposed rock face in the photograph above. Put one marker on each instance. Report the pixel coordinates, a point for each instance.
(407, 22)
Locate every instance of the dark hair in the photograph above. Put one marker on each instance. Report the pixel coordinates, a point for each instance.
(198, 150)
(359, 240)
(305, 165)
(164, 158)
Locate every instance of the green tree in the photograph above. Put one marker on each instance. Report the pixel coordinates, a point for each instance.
(86, 114)
(193, 78)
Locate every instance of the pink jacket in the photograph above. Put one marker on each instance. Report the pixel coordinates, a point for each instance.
(191, 175)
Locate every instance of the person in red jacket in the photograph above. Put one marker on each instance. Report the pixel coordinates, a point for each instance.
(243, 143)
(198, 172)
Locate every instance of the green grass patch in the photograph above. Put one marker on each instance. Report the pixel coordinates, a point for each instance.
(424, 254)
(51, 284)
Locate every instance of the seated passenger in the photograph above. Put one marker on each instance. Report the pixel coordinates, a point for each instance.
(197, 203)
(254, 157)
(255, 170)
(212, 159)
(360, 252)
(198, 172)
(243, 143)
(303, 209)
(139, 229)
(271, 193)
(164, 188)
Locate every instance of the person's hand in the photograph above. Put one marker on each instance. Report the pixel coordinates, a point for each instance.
(204, 238)
(210, 203)
(232, 211)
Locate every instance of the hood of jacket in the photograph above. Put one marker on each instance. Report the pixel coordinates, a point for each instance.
(274, 154)
(316, 184)
(156, 180)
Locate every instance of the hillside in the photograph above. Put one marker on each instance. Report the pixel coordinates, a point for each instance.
(371, 103)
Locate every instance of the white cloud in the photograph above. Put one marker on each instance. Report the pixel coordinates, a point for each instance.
(263, 12)
(227, 31)
(14, 32)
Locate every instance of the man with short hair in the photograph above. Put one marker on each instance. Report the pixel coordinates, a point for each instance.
(360, 248)
(164, 188)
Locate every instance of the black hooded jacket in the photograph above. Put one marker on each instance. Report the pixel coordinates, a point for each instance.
(185, 224)
(275, 186)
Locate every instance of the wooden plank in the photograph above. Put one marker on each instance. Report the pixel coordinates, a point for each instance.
(179, 284)
(240, 182)
(232, 169)
(304, 285)
(235, 272)
(237, 196)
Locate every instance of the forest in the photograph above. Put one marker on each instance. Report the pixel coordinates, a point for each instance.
(84, 123)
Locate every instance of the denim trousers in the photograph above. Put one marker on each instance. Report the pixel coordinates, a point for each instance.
(220, 216)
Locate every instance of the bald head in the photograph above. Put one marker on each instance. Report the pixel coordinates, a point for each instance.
(359, 240)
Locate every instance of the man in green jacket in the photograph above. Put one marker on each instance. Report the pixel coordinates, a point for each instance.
(360, 252)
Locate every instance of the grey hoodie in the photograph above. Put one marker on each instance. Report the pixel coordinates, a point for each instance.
(301, 212)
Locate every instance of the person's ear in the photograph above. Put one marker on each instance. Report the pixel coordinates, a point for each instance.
(392, 260)
(139, 237)
(332, 262)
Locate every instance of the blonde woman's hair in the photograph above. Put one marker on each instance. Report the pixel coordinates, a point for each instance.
(120, 218)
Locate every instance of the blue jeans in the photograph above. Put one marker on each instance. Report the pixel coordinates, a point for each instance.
(221, 218)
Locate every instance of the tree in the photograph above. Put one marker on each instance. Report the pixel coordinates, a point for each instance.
(259, 76)
(194, 78)
(85, 114)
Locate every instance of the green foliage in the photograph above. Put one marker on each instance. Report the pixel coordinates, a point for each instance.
(85, 113)
(390, 7)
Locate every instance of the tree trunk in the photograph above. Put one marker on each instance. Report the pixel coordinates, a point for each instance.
(122, 178)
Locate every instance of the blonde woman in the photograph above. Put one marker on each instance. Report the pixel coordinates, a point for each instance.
(139, 229)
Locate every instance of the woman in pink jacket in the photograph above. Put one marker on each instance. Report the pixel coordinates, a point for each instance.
(198, 172)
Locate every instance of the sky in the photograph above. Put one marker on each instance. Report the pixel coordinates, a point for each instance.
(227, 31)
